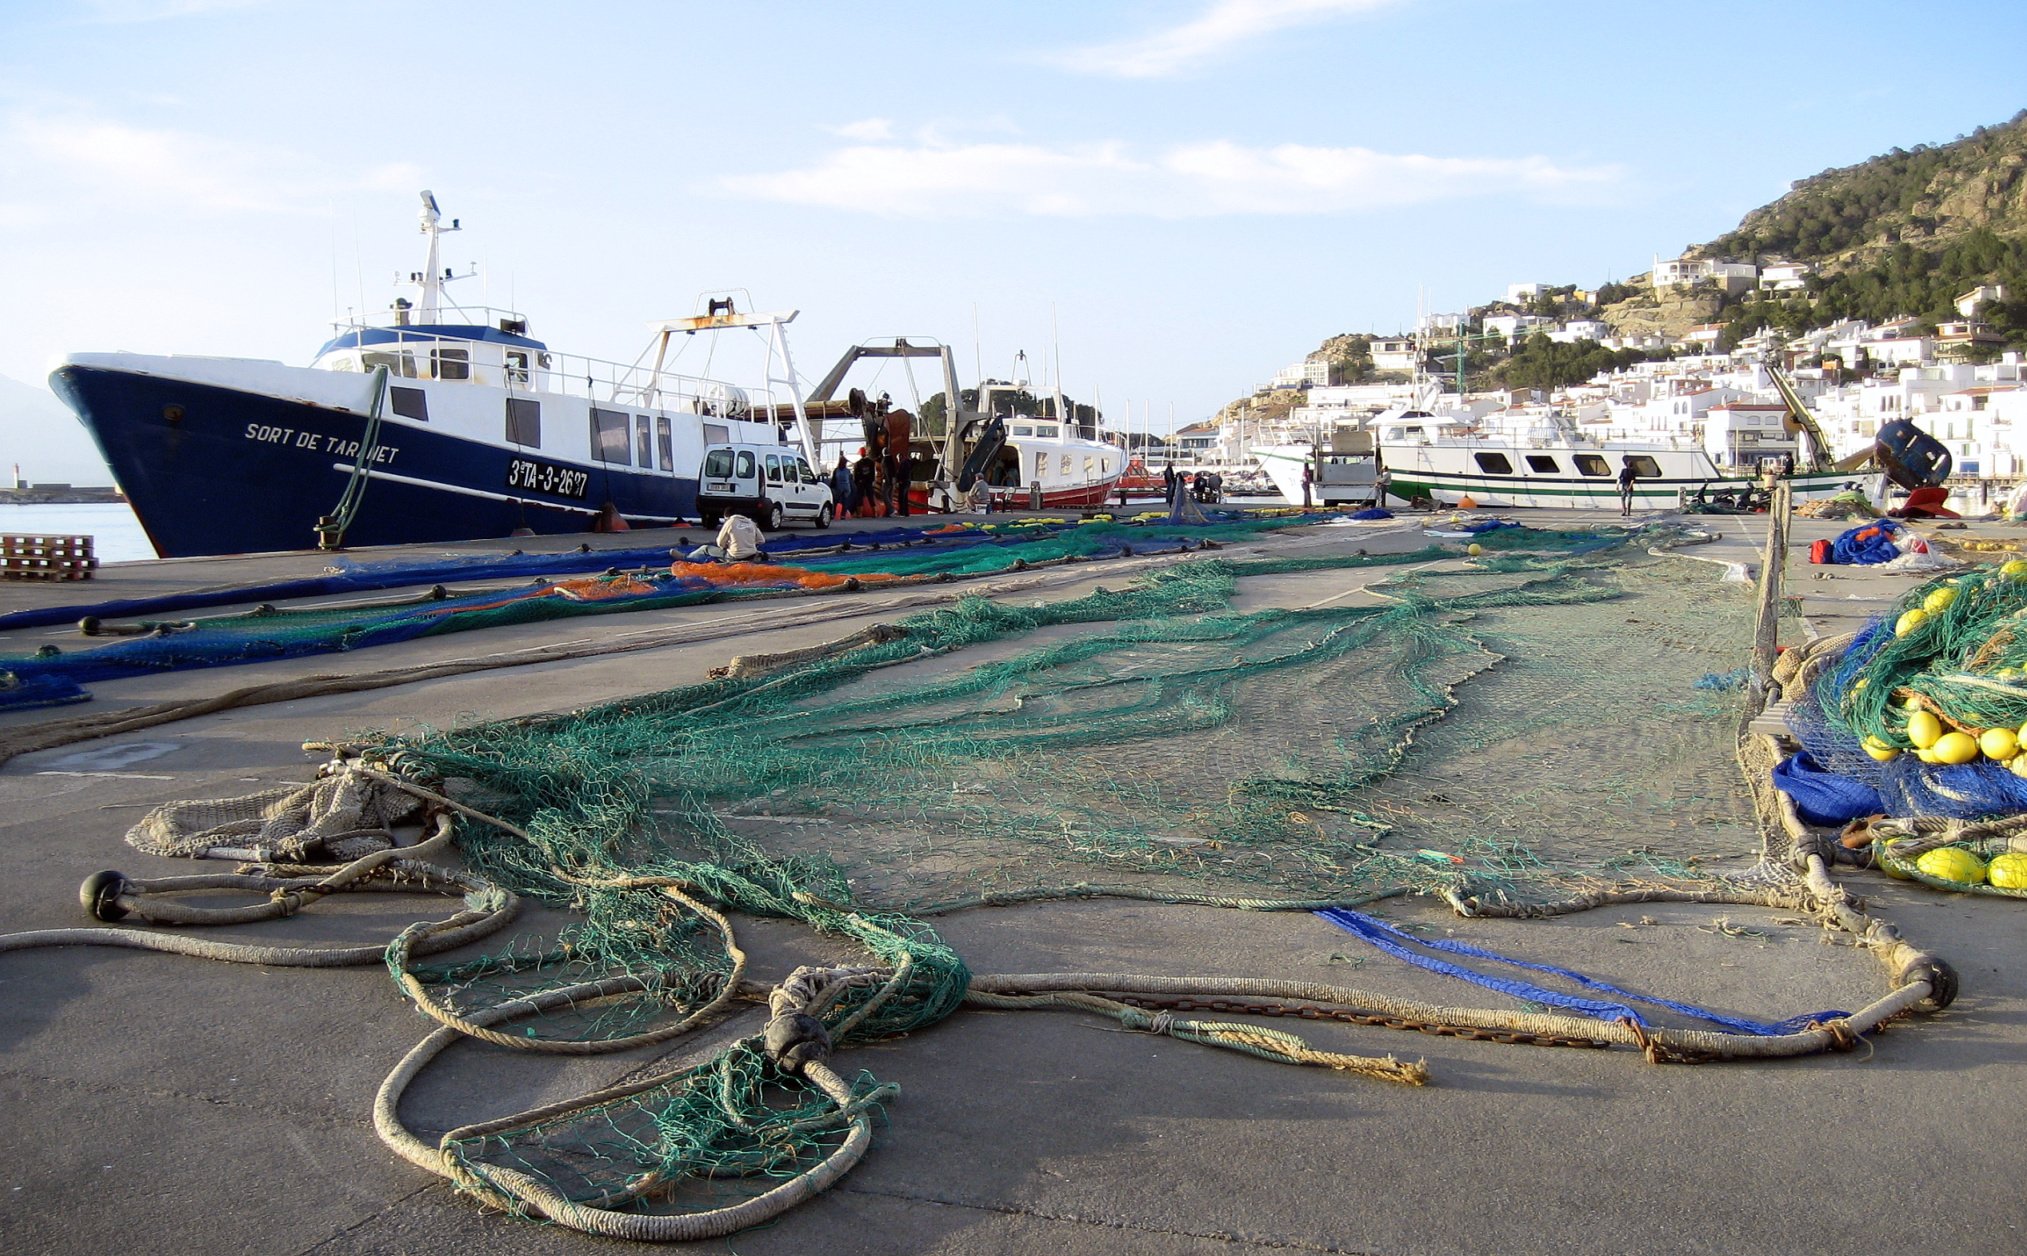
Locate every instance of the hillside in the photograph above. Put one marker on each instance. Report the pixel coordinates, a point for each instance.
(1924, 197)
(1903, 234)
(42, 436)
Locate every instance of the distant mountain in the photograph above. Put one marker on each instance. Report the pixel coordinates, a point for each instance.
(1923, 197)
(39, 434)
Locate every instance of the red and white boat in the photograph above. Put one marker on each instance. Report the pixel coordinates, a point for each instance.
(1017, 455)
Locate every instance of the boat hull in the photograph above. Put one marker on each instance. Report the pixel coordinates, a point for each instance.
(211, 469)
(1447, 477)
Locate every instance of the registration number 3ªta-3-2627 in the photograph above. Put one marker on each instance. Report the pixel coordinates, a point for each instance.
(546, 477)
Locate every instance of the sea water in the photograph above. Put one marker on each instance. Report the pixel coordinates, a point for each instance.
(116, 534)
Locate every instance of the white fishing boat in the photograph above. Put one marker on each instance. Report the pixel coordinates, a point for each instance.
(433, 422)
(1447, 460)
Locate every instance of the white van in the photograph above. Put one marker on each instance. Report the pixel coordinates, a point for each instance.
(771, 484)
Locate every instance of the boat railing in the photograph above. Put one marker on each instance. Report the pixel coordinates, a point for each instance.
(596, 380)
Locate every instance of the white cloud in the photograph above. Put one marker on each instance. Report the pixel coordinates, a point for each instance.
(867, 130)
(125, 12)
(77, 159)
(1216, 30)
(1209, 179)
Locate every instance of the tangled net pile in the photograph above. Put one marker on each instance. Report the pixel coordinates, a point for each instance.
(638, 580)
(1926, 707)
(1154, 742)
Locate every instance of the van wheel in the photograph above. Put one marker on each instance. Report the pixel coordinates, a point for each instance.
(824, 516)
(774, 516)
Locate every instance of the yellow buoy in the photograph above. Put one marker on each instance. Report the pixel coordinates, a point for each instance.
(2008, 871)
(1924, 729)
(1475, 550)
(2018, 766)
(1952, 863)
(1955, 748)
(1938, 600)
(1888, 868)
(1999, 743)
(1879, 749)
(2013, 568)
(1909, 621)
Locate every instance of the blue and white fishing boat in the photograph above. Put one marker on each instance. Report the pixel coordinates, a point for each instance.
(434, 422)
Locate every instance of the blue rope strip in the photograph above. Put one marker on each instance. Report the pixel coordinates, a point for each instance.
(1396, 943)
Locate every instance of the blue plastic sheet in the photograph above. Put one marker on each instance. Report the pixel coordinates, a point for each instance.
(1824, 797)
(1868, 543)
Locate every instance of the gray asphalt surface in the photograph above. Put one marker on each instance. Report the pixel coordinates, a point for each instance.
(161, 1104)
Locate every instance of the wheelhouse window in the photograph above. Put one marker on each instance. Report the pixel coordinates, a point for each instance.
(1024, 431)
(715, 433)
(409, 403)
(1493, 463)
(524, 422)
(401, 365)
(1592, 464)
(608, 435)
(450, 363)
(1542, 464)
(1645, 467)
(665, 442)
(643, 444)
(1045, 429)
(517, 368)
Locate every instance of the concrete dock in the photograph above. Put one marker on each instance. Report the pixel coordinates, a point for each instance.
(164, 1104)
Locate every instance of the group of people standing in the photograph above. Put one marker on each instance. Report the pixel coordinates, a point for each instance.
(877, 484)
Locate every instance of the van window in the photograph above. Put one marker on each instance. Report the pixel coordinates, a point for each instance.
(803, 472)
(773, 469)
(665, 442)
(643, 444)
(524, 421)
(745, 464)
(608, 435)
(718, 464)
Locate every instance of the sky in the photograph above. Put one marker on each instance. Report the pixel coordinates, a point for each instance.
(1173, 199)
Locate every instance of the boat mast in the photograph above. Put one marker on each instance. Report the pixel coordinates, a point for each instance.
(432, 279)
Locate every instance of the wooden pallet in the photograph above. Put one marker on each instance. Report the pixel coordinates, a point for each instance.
(46, 557)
